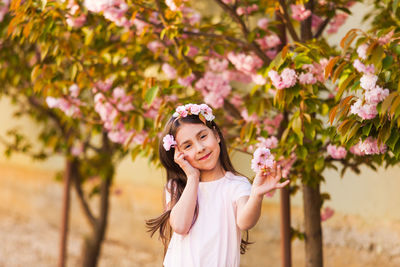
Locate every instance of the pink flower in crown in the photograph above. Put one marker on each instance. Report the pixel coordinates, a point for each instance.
(195, 109)
(168, 142)
(181, 111)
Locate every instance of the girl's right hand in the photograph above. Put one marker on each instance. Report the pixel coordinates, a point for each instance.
(190, 171)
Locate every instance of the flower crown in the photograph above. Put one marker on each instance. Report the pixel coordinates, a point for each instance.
(203, 111)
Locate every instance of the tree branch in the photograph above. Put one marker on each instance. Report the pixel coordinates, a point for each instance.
(322, 27)
(252, 45)
(81, 197)
(286, 20)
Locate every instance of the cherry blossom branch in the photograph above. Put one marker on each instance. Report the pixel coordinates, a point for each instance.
(252, 45)
(286, 20)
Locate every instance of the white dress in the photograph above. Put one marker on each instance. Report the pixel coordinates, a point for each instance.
(214, 239)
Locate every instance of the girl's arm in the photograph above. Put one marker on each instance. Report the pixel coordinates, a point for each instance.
(181, 217)
(249, 208)
(182, 213)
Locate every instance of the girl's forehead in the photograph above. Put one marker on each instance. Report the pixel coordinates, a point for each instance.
(189, 130)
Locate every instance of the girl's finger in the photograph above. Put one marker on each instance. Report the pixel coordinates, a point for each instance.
(282, 185)
(278, 175)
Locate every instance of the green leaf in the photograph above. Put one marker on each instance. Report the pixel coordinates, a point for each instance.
(220, 49)
(151, 94)
(319, 164)
(394, 137)
(366, 129)
(387, 62)
(301, 152)
(395, 4)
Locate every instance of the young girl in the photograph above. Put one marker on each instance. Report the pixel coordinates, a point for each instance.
(207, 202)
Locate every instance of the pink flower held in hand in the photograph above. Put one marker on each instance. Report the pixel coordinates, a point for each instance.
(262, 160)
(299, 12)
(168, 142)
(327, 213)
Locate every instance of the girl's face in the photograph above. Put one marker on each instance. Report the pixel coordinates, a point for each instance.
(200, 145)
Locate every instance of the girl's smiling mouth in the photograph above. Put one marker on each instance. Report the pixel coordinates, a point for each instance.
(206, 156)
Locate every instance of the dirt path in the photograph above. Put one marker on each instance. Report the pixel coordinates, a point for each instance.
(30, 204)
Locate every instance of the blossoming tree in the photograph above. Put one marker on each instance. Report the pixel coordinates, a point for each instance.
(368, 115)
(119, 68)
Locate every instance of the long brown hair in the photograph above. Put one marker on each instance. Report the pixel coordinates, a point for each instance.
(176, 178)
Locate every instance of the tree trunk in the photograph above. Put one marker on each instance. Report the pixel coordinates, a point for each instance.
(286, 245)
(69, 171)
(312, 221)
(92, 244)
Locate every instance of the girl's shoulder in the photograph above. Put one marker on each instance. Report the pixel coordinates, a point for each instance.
(236, 178)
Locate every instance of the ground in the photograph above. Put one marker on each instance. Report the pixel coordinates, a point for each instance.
(30, 209)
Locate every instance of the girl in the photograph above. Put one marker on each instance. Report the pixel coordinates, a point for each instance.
(207, 202)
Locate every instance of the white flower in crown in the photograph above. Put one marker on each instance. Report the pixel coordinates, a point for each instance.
(194, 109)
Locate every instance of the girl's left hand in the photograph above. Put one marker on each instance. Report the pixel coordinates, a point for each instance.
(264, 183)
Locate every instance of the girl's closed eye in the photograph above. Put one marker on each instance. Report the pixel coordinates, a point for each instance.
(203, 136)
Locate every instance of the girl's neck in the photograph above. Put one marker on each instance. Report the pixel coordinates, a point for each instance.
(212, 175)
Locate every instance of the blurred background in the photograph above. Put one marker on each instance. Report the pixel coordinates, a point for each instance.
(364, 230)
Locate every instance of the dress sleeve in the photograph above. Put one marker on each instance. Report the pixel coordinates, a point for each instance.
(242, 188)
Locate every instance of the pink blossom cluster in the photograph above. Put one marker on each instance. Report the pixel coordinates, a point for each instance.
(113, 10)
(360, 67)
(299, 12)
(336, 152)
(337, 21)
(245, 115)
(171, 4)
(246, 10)
(386, 38)
(286, 79)
(191, 16)
(327, 213)
(272, 125)
(155, 46)
(169, 71)
(109, 109)
(73, 20)
(362, 51)
(245, 63)
(214, 88)
(286, 164)
(368, 147)
(263, 23)
(373, 95)
(68, 104)
(262, 160)
(307, 78)
(187, 81)
(316, 21)
(248, 65)
(317, 69)
(270, 143)
(268, 41)
(4, 9)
